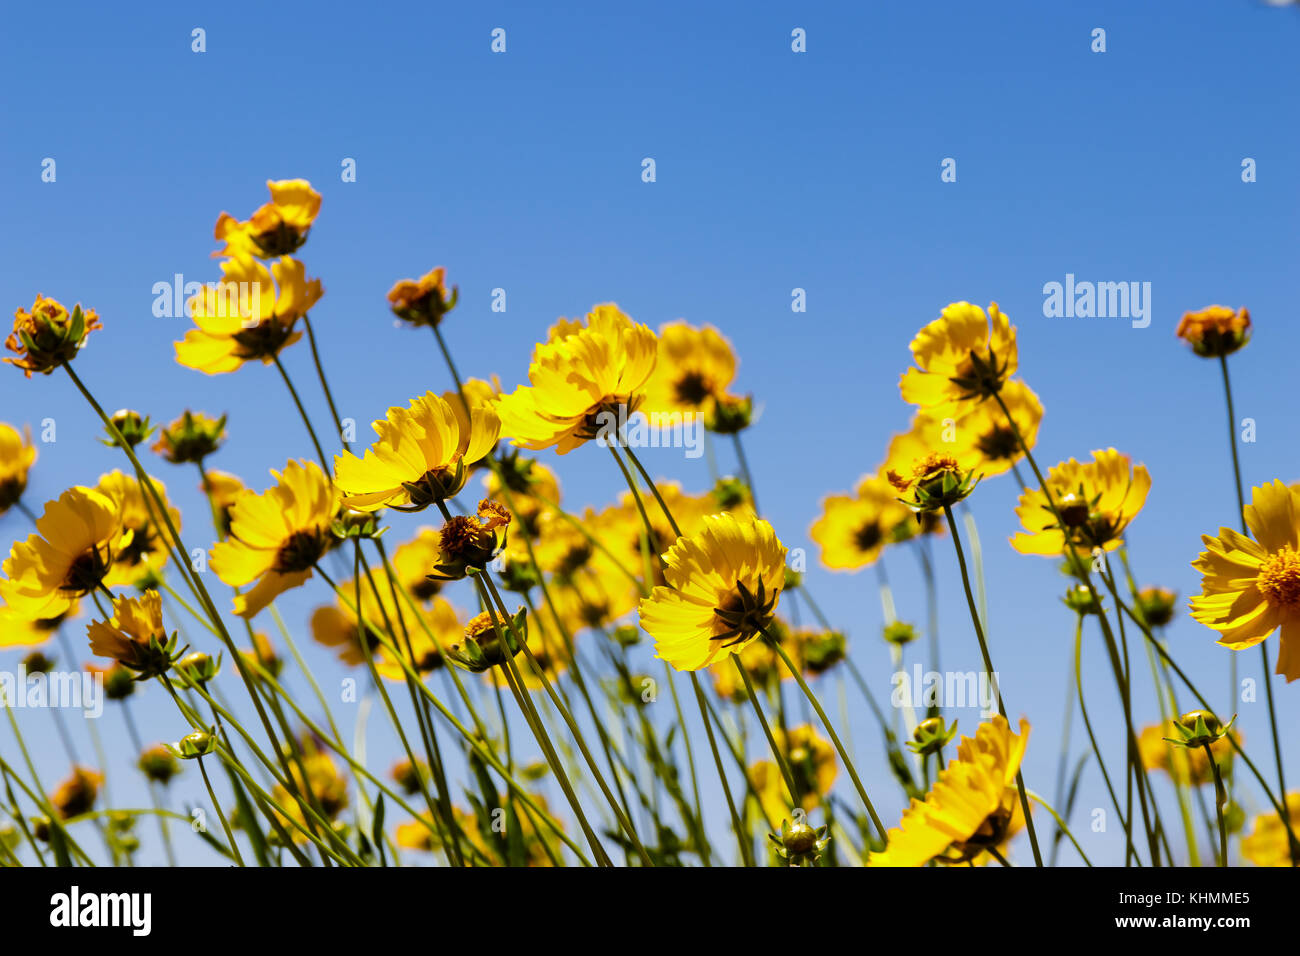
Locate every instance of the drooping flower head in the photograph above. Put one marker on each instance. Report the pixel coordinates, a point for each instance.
(135, 636)
(17, 453)
(76, 542)
(1250, 587)
(248, 316)
(961, 357)
(970, 808)
(854, 529)
(277, 537)
(1216, 331)
(424, 301)
(722, 587)
(582, 377)
(278, 228)
(694, 369)
(1096, 500)
(466, 543)
(421, 456)
(48, 335)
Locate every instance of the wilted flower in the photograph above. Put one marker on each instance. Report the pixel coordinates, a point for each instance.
(48, 335)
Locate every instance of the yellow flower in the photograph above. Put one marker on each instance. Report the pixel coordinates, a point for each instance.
(48, 335)
(76, 541)
(854, 529)
(1216, 331)
(277, 228)
(420, 457)
(327, 785)
(581, 378)
(134, 636)
(78, 793)
(276, 537)
(16, 456)
(694, 368)
(981, 437)
(811, 759)
(1267, 843)
(423, 302)
(760, 663)
(1096, 501)
(247, 316)
(425, 653)
(961, 356)
(1185, 765)
(221, 489)
(1249, 588)
(148, 548)
(723, 585)
(969, 808)
(466, 543)
(19, 631)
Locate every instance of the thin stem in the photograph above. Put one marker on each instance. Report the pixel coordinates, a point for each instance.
(216, 805)
(1220, 800)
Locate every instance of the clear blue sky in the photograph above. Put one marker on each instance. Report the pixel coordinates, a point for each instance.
(775, 170)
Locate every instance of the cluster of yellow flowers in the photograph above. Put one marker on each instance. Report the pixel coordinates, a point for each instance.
(702, 574)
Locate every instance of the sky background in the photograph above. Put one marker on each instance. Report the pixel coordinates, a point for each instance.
(775, 170)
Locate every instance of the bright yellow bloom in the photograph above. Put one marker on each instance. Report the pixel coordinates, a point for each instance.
(48, 335)
(854, 529)
(77, 794)
(16, 456)
(221, 488)
(326, 783)
(1267, 843)
(148, 549)
(723, 585)
(1096, 501)
(981, 439)
(1185, 765)
(277, 228)
(76, 541)
(420, 457)
(581, 377)
(1249, 588)
(962, 356)
(969, 808)
(134, 636)
(19, 631)
(247, 316)
(1216, 331)
(694, 369)
(276, 537)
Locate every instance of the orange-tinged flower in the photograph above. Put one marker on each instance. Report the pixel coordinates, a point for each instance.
(424, 301)
(77, 794)
(135, 636)
(1251, 587)
(963, 356)
(1096, 501)
(1215, 332)
(277, 229)
(48, 335)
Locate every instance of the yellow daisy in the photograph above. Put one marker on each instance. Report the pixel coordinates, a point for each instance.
(247, 317)
(148, 549)
(1267, 843)
(1096, 500)
(854, 529)
(421, 455)
(16, 456)
(694, 368)
(811, 759)
(1251, 587)
(962, 356)
(276, 537)
(581, 378)
(723, 586)
(134, 636)
(76, 541)
(277, 228)
(970, 807)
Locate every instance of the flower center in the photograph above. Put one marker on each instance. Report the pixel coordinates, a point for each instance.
(868, 536)
(1279, 578)
(998, 444)
(300, 552)
(743, 613)
(85, 573)
(693, 388)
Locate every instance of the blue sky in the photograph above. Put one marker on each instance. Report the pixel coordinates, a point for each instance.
(775, 170)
